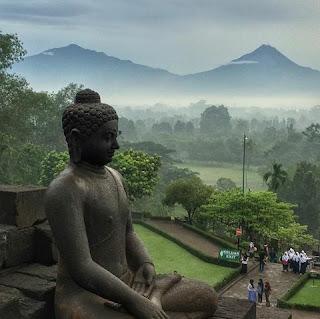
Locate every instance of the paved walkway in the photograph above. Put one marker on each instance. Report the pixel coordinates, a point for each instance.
(191, 238)
(280, 282)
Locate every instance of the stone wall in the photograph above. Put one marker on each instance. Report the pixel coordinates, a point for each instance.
(27, 255)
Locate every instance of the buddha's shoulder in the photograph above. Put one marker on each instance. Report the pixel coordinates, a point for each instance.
(68, 181)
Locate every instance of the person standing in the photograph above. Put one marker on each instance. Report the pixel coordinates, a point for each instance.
(303, 263)
(285, 261)
(296, 261)
(252, 293)
(260, 290)
(262, 258)
(273, 256)
(267, 291)
(291, 254)
(244, 264)
(251, 251)
(266, 251)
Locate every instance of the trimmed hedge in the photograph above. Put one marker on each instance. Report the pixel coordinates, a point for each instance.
(227, 279)
(214, 239)
(191, 250)
(283, 302)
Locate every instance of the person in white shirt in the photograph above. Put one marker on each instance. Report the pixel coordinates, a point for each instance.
(285, 261)
(303, 263)
(291, 254)
(296, 261)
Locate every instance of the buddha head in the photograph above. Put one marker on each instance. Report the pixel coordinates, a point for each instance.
(91, 129)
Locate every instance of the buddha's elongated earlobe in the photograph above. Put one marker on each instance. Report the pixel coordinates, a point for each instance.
(75, 146)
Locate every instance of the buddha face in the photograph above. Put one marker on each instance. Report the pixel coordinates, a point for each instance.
(100, 147)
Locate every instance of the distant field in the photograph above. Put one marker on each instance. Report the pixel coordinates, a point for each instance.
(168, 257)
(210, 173)
(308, 295)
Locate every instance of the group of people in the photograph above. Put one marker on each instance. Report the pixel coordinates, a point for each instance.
(262, 288)
(295, 261)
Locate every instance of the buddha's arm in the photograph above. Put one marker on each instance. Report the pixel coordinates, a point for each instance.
(136, 252)
(64, 208)
(140, 261)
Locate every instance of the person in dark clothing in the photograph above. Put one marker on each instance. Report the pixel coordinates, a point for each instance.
(273, 256)
(260, 290)
(262, 258)
(244, 264)
(267, 291)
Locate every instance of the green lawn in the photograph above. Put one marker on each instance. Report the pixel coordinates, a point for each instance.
(308, 295)
(211, 172)
(168, 257)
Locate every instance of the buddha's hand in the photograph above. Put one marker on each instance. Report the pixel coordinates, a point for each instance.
(143, 308)
(143, 280)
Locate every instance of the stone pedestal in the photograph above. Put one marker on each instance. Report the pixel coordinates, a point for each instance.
(21, 206)
(232, 308)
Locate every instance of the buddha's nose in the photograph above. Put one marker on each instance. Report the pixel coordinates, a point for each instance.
(116, 144)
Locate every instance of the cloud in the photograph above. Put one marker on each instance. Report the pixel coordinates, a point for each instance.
(178, 35)
(42, 12)
(153, 12)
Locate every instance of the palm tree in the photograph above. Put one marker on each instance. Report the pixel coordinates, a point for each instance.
(276, 177)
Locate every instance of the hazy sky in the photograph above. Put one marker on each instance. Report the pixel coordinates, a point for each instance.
(181, 36)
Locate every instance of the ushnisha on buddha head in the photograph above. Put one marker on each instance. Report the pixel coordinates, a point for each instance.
(91, 129)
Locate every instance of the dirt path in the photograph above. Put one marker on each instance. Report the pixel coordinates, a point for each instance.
(187, 236)
(281, 282)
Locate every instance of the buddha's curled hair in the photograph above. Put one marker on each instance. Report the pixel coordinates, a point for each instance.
(86, 115)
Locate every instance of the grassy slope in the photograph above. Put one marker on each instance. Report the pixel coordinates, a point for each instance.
(210, 173)
(168, 257)
(308, 295)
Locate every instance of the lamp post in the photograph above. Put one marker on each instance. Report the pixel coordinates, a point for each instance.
(244, 161)
(243, 175)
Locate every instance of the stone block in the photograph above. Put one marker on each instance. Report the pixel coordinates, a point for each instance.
(41, 271)
(35, 309)
(30, 308)
(9, 306)
(4, 238)
(21, 206)
(46, 252)
(33, 287)
(232, 308)
(273, 313)
(20, 246)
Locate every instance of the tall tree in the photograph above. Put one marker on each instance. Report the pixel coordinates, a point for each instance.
(312, 132)
(191, 193)
(215, 119)
(261, 215)
(276, 177)
(11, 50)
(304, 190)
(139, 170)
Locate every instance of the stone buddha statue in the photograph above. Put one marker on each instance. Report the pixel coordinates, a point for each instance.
(104, 271)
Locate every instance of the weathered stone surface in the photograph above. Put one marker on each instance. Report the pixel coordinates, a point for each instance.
(29, 308)
(21, 206)
(20, 246)
(9, 306)
(4, 234)
(33, 287)
(41, 271)
(273, 313)
(35, 309)
(232, 308)
(46, 252)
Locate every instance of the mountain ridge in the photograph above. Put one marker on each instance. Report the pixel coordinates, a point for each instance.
(263, 72)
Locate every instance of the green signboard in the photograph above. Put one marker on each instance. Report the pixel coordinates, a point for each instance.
(229, 254)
